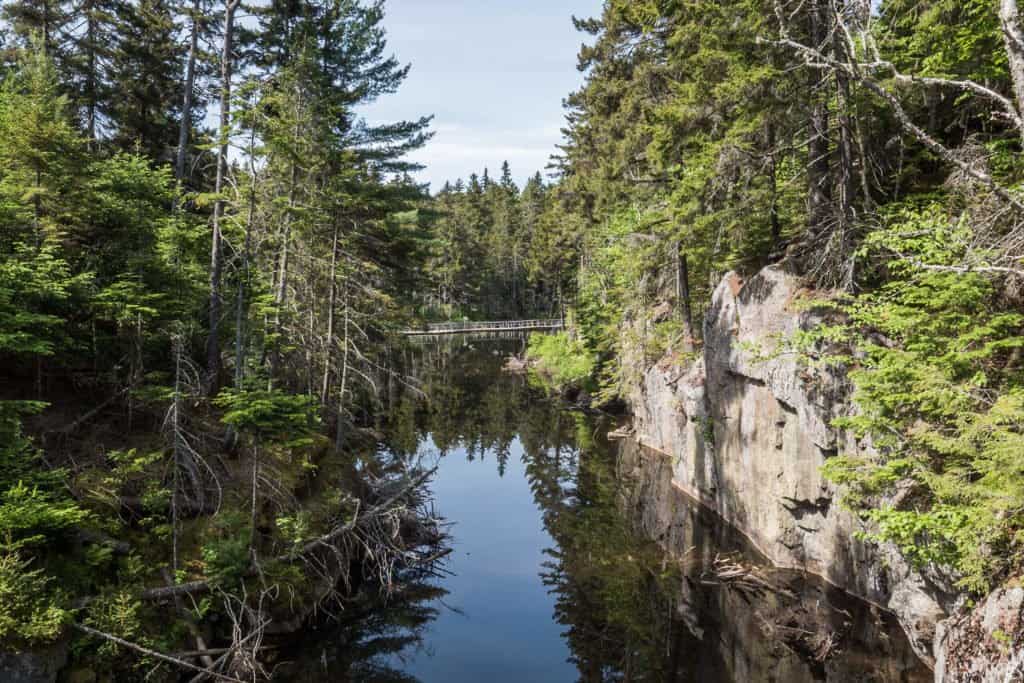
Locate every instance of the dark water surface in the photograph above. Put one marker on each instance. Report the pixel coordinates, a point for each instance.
(559, 570)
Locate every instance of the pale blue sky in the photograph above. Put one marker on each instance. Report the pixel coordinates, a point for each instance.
(493, 72)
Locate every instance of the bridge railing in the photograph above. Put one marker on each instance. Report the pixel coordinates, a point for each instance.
(486, 326)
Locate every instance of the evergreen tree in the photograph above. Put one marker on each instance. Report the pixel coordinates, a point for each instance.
(146, 85)
(45, 19)
(88, 62)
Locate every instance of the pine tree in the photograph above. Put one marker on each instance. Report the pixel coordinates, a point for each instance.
(200, 28)
(45, 19)
(146, 88)
(216, 273)
(88, 62)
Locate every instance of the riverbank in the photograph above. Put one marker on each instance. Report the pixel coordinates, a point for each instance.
(746, 428)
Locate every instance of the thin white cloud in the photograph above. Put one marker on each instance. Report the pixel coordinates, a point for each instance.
(493, 74)
(456, 151)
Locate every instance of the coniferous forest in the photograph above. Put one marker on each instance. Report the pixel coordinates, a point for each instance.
(208, 256)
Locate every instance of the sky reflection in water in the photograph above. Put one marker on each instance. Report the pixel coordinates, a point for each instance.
(503, 629)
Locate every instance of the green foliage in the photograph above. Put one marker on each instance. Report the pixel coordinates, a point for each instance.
(30, 611)
(946, 38)
(561, 360)
(28, 515)
(225, 552)
(34, 508)
(619, 256)
(493, 251)
(690, 135)
(33, 504)
(34, 284)
(40, 155)
(270, 415)
(105, 282)
(942, 397)
(295, 529)
(18, 459)
(130, 473)
(118, 612)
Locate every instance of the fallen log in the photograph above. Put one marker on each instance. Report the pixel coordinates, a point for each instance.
(153, 653)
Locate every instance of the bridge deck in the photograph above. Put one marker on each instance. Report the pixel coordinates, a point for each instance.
(485, 326)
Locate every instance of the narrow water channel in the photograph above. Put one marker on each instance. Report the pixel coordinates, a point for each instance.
(574, 559)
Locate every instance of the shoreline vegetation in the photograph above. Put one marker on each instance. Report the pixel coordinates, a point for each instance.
(200, 323)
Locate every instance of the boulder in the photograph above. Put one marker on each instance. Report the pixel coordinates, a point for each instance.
(984, 644)
(38, 665)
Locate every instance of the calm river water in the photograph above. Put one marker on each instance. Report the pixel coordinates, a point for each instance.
(559, 570)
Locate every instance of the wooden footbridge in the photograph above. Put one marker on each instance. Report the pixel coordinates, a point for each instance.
(485, 327)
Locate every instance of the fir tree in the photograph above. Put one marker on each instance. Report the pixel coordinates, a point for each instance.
(146, 86)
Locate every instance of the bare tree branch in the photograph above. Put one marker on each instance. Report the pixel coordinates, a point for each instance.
(153, 653)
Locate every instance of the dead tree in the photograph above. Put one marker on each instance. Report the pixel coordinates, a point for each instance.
(684, 298)
(332, 299)
(819, 165)
(1013, 39)
(192, 476)
(243, 285)
(854, 58)
(216, 249)
(184, 126)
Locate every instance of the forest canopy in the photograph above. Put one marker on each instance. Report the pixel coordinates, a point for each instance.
(207, 257)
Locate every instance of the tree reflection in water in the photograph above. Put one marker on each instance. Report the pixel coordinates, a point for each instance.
(630, 611)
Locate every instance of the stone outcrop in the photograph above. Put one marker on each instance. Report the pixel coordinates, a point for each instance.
(38, 665)
(986, 644)
(790, 626)
(748, 427)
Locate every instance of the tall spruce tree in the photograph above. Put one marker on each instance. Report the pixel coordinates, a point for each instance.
(146, 86)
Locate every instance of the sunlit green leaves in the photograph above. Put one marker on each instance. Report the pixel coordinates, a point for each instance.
(942, 399)
(289, 419)
(29, 608)
(561, 360)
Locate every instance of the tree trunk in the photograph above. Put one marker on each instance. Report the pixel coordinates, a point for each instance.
(254, 512)
(1013, 39)
(846, 181)
(338, 438)
(90, 78)
(175, 435)
(216, 251)
(773, 185)
(819, 182)
(515, 280)
(281, 289)
(186, 105)
(240, 317)
(47, 33)
(683, 296)
(325, 386)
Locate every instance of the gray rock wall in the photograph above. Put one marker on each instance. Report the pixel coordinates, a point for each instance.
(747, 431)
(730, 634)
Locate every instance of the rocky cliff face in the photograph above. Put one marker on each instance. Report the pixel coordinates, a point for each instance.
(771, 625)
(747, 431)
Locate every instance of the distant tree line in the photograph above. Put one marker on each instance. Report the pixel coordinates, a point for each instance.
(489, 250)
